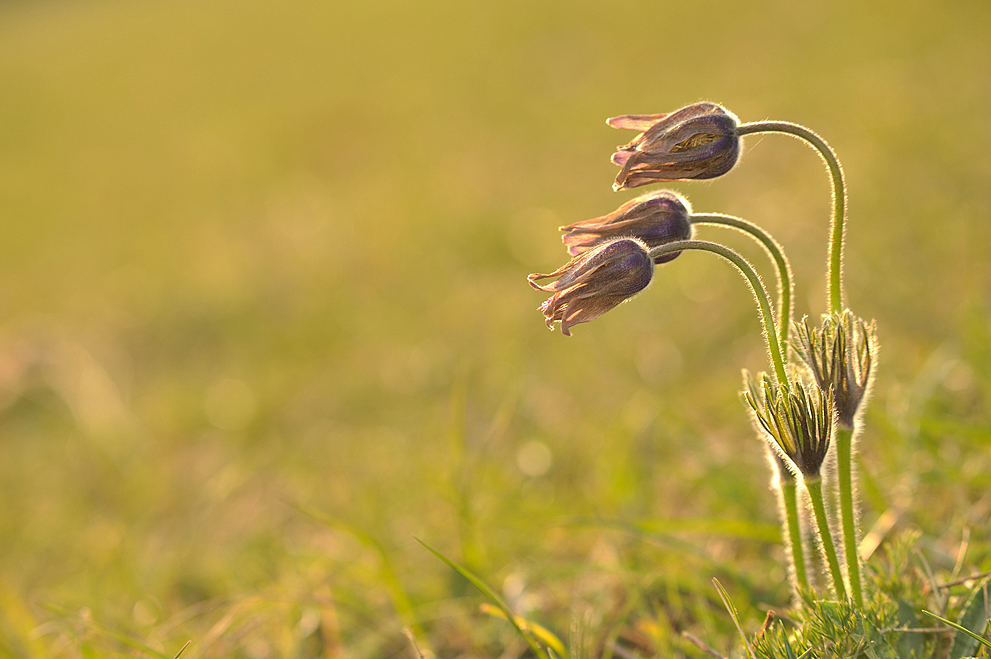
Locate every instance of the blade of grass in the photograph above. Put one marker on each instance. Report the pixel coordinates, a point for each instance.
(21, 620)
(538, 630)
(728, 603)
(973, 612)
(674, 543)
(789, 652)
(488, 592)
(387, 573)
(960, 628)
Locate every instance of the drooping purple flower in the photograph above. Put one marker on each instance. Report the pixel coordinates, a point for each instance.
(594, 282)
(656, 219)
(696, 142)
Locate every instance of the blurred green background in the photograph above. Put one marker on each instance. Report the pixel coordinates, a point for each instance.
(265, 262)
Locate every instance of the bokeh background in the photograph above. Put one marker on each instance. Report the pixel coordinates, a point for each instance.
(264, 312)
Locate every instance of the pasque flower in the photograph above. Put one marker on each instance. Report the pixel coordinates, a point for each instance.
(656, 219)
(841, 355)
(797, 417)
(696, 142)
(594, 282)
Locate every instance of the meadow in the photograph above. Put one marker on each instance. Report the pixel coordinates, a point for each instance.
(264, 318)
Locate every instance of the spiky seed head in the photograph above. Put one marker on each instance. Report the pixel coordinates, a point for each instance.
(841, 354)
(797, 418)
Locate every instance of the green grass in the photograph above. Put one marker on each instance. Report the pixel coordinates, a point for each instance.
(259, 260)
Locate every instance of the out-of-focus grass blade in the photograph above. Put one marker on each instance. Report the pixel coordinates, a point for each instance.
(19, 616)
(675, 543)
(400, 600)
(541, 632)
(740, 529)
(960, 628)
(182, 649)
(728, 603)
(488, 592)
(86, 648)
(789, 652)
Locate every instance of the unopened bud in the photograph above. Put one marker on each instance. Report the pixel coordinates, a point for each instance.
(656, 219)
(797, 417)
(695, 142)
(841, 355)
(594, 282)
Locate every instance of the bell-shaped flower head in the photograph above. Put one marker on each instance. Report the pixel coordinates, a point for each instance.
(656, 219)
(594, 282)
(695, 142)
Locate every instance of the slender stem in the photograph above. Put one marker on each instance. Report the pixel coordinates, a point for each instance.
(776, 253)
(756, 285)
(844, 461)
(814, 487)
(789, 495)
(835, 285)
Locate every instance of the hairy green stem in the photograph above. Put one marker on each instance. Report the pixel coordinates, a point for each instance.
(814, 487)
(844, 464)
(789, 495)
(835, 265)
(774, 250)
(756, 285)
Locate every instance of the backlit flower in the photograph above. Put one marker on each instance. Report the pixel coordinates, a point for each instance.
(656, 219)
(594, 282)
(797, 417)
(695, 142)
(841, 355)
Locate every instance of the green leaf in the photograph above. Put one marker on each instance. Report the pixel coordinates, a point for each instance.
(789, 652)
(959, 628)
(728, 603)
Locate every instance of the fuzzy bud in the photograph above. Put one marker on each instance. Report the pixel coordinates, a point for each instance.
(798, 419)
(656, 219)
(594, 282)
(695, 142)
(841, 354)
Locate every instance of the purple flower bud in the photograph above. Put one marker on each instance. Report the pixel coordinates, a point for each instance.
(594, 282)
(656, 219)
(695, 142)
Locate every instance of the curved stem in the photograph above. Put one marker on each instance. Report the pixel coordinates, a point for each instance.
(774, 250)
(835, 285)
(756, 285)
(814, 487)
(844, 460)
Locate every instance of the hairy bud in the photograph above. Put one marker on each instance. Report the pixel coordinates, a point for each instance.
(841, 354)
(656, 219)
(797, 417)
(695, 142)
(594, 282)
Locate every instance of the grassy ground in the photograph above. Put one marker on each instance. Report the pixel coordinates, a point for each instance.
(263, 316)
